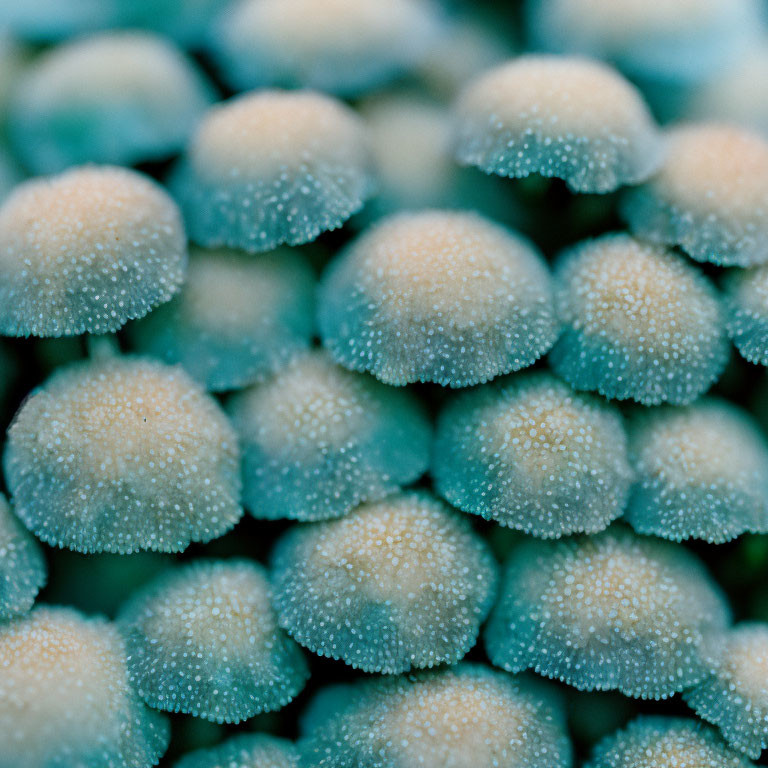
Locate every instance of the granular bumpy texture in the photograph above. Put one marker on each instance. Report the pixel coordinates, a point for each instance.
(22, 566)
(702, 472)
(86, 251)
(611, 611)
(337, 46)
(533, 455)
(203, 639)
(120, 97)
(747, 310)
(123, 454)
(663, 742)
(639, 322)
(318, 440)
(437, 296)
(65, 699)
(403, 583)
(573, 119)
(247, 750)
(238, 319)
(273, 167)
(735, 696)
(710, 197)
(462, 716)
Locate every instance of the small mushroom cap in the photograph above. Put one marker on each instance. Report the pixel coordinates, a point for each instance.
(319, 440)
(531, 454)
(238, 318)
(747, 310)
(569, 118)
(396, 585)
(710, 197)
(610, 611)
(86, 251)
(65, 699)
(23, 570)
(273, 167)
(453, 718)
(119, 97)
(701, 471)
(639, 322)
(246, 750)
(735, 696)
(123, 454)
(653, 742)
(680, 42)
(338, 46)
(437, 296)
(203, 639)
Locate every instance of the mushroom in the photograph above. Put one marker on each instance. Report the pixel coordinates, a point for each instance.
(246, 750)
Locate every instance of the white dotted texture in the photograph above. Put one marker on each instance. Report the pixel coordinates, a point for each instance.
(665, 742)
(319, 440)
(273, 167)
(23, 570)
(87, 251)
(747, 310)
(681, 42)
(735, 696)
(639, 322)
(65, 700)
(338, 46)
(702, 472)
(204, 640)
(395, 585)
(238, 319)
(122, 98)
(460, 717)
(531, 454)
(568, 118)
(120, 455)
(710, 196)
(247, 750)
(437, 296)
(736, 94)
(611, 611)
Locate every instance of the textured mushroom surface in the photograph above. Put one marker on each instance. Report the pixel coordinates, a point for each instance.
(247, 750)
(611, 611)
(399, 584)
(747, 312)
(65, 699)
(203, 639)
(123, 454)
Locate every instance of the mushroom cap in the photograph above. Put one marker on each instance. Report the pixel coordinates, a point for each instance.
(272, 167)
(533, 455)
(651, 742)
(118, 97)
(439, 296)
(338, 46)
(747, 310)
(238, 318)
(123, 454)
(395, 585)
(86, 251)
(23, 570)
(246, 750)
(65, 699)
(319, 440)
(570, 118)
(454, 717)
(639, 322)
(735, 696)
(710, 197)
(701, 472)
(203, 639)
(610, 611)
